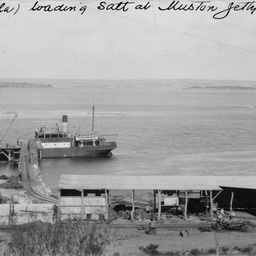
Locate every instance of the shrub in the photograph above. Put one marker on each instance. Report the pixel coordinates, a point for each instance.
(195, 252)
(211, 251)
(247, 249)
(237, 248)
(224, 249)
(150, 249)
(61, 238)
(170, 253)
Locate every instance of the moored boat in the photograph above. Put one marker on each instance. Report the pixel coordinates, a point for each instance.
(60, 142)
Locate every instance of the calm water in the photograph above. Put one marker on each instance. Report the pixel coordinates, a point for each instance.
(163, 130)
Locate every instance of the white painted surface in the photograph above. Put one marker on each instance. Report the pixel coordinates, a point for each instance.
(56, 145)
(171, 201)
(70, 207)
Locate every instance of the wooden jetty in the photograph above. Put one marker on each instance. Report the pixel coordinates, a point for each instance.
(10, 153)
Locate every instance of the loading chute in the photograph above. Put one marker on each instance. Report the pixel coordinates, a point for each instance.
(15, 115)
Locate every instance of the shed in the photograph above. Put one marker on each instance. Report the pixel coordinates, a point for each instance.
(91, 192)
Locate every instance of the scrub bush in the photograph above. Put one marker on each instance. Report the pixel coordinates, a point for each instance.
(211, 251)
(59, 239)
(150, 249)
(225, 249)
(196, 252)
(247, 249)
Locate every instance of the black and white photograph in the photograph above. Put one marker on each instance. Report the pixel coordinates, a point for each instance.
(127, 127)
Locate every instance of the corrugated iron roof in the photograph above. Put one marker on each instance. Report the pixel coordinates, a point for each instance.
(116, 182)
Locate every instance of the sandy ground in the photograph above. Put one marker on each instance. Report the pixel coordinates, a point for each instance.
(126, 241)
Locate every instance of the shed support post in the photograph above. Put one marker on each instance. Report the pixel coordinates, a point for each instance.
(217, 195)
(159, 205)
(82, 204)
(10, 212)
(231, 200)
(133, 206)
(154, 201)
(58, 212)
(186, 204)
(9, 156)
(211, 204)
(107, 202)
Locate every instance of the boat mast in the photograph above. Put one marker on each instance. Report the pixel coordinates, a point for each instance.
(93, 108)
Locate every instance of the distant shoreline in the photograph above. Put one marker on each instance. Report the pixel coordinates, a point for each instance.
(235, 87)
(172, 84)
(23, 85)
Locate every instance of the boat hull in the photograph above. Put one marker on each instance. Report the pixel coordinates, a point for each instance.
(88, 151)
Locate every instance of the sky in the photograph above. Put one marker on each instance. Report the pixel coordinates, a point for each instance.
(135, 44)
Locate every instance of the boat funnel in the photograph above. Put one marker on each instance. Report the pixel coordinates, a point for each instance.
(64, 123)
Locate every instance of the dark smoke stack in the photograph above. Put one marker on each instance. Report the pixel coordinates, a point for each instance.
(64, 123)
(64, 119)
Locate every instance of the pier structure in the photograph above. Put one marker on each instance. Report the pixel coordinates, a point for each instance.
(31, 177)
(10, 153)
(29, 180)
